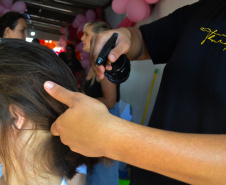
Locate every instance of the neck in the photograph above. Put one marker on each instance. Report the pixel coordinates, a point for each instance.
(27, 170)
(32, 179)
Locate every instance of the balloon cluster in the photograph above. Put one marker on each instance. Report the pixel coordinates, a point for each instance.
(74, 33)
(8, 5)
(79, 23)
(62, 41)
(80, 20)
(136, 10)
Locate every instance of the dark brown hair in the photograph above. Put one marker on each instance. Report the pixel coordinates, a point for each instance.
(24, 67)
(9, 19)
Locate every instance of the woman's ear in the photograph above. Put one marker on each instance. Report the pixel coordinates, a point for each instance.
(7, 32)
(17, 116)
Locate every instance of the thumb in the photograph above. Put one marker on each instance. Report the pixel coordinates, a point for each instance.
(59, 93)
(116, 52)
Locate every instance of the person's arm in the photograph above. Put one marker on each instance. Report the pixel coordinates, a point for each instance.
(129, 42)
(109, 91)
(2, 181)
(192, 158)
(138, 50)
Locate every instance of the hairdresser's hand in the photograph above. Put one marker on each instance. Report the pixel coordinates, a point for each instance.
(98, 41)
(82, 126)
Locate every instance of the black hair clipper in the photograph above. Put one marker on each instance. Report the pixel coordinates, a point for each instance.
(120, 68)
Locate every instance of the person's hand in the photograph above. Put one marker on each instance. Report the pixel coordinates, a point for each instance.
(98, 41)
(82, 125)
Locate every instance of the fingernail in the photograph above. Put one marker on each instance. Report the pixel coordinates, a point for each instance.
(112, 57)
(49, 84)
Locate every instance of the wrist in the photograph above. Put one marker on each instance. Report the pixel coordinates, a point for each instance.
(136, 43)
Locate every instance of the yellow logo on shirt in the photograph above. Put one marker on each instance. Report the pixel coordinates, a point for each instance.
(213, 36)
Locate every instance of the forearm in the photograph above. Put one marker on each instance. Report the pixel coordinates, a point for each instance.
(192, 158)
(195, 159)
(2, 181)
(109, 92)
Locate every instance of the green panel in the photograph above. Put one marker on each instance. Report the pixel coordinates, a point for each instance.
(124, 182)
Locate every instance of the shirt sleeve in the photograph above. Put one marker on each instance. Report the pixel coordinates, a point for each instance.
(161, 36)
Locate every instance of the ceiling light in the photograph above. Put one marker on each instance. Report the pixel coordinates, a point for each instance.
(32, 33)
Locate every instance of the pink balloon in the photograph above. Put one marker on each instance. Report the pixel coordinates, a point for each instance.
(6, 10)
(80, 28)
(62, 30)
(90, 15)
(2, 9)
(85, 55)
(148, 12)
(119, 6)
(79, 47)
(151, 1)
(75, 23)
(136, 10)
(6, 3)
(85, 63)
(19, 6)
(63, 37)
(62, 42)
(80, 19)
(126, 23)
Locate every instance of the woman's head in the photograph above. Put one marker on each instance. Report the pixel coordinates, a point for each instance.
(27, 111)
(13, 25)
(89, 30)
(70, 51)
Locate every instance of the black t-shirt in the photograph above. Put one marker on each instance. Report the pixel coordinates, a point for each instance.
(192, 93)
